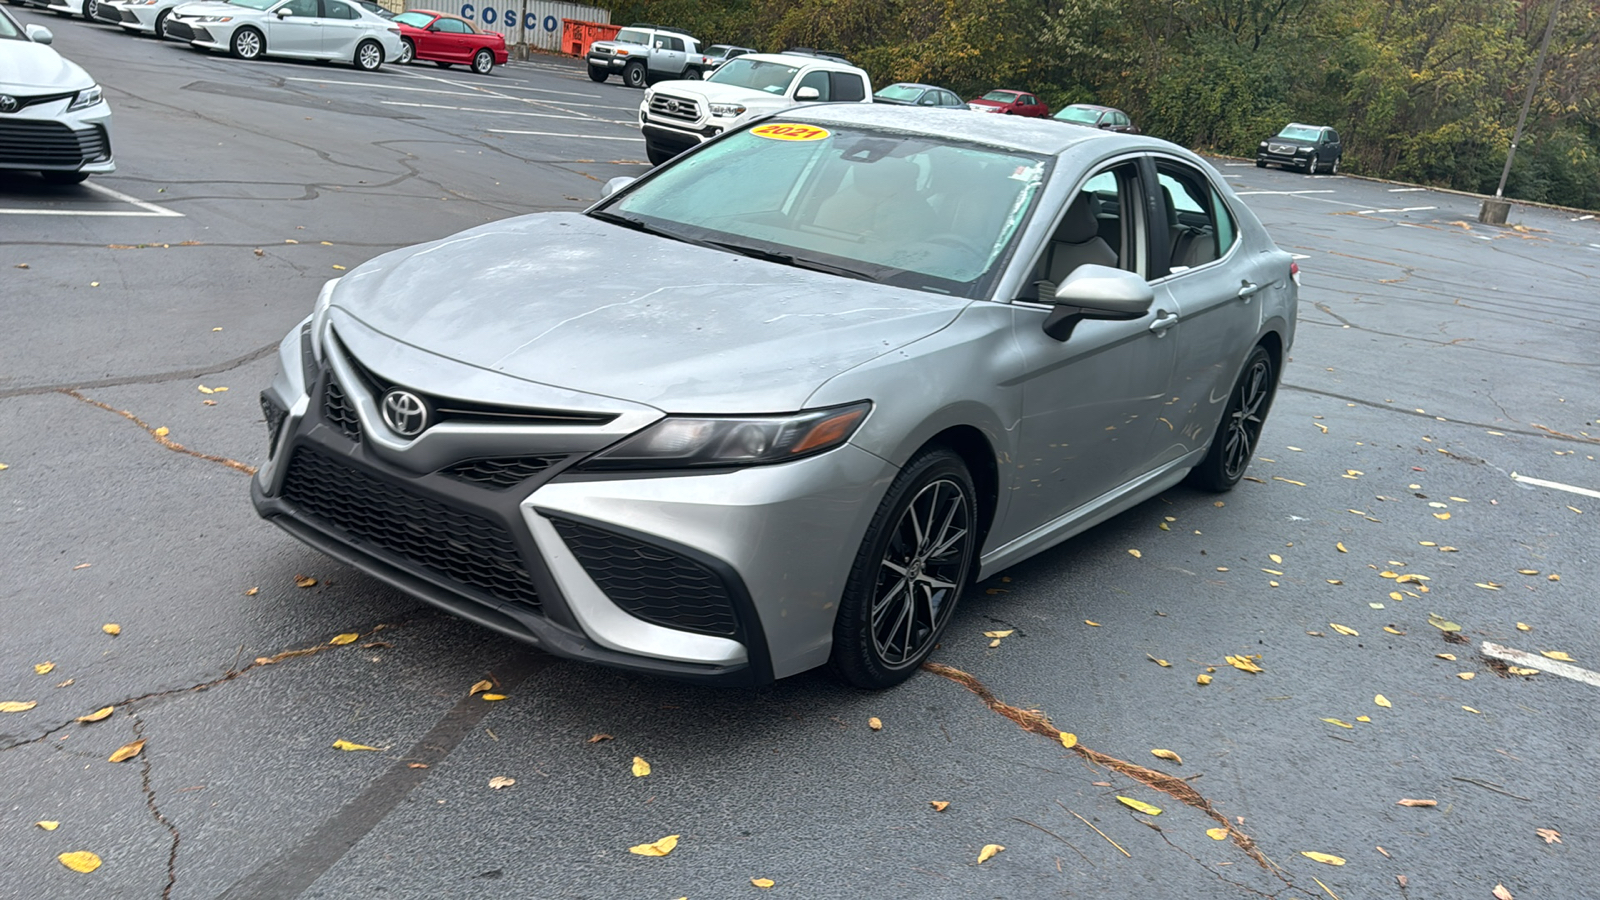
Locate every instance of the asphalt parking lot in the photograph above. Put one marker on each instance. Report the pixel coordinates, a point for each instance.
(1440, 364)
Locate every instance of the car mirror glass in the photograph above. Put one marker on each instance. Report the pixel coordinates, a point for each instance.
(1097, 292)
(807, 93)
(40, 34)
(615, 184)
(285, 12)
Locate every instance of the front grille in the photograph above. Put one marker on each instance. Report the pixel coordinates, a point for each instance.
(50, 144)
(274, 414)
(179, 29)
(651, 582)
(1282, 149)
(674, 108)
(128, 18)
(200, 34)
(107, 13)
(468, 549)
(340, 411)
(25, 102)
(501, 473)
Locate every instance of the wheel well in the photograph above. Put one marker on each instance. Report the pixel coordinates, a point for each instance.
(975, 450)
(1274, 345)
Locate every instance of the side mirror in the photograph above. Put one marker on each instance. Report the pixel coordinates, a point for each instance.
(615, 184)
(40, 34)
(1098, 292)
(284, 12)
(807, 93)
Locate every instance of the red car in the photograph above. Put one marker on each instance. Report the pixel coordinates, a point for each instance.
(445, 40)
(1011, 103)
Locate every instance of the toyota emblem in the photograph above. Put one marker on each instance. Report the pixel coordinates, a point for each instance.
(672, 105)
(405, 413)
(8, 103)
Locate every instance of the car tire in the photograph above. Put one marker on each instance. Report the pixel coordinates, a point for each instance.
(483, 62)
(656, 155)
(1334, 169)
(442, 65)
(692, 75)
(408, 53)
(160, 32)
(89, 8)
(368, 56)
(597, 74)
(1312, 164)
(634, 75)
(1239, 432)
(907, 573)
(247, 43)
(59, 177)
(1260, 164)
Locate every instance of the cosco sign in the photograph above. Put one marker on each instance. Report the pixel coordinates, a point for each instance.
(504, 19)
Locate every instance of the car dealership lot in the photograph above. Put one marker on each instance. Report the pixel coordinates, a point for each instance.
(1434, 351)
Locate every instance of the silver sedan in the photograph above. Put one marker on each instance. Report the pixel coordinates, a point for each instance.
(778, 403)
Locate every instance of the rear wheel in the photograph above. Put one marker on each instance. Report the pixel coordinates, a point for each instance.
(1240, 429)
(64, 177)
(598, 74)
(161, 25)
(909, 572)
(483, 62)
(247, 43)
(408, 52)
(369, 56)
(634, 75)
(1334, 169)
(691, 75)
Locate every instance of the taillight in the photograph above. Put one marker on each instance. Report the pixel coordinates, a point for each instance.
(1294, 272)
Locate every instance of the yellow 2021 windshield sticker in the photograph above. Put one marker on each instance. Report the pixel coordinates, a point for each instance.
(783, 131)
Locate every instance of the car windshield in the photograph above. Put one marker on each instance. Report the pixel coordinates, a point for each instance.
(755, 74)
(1000, 96)
(1300, 133)
(916, 211)
(629, 36)
(1079, 114)
(414, 19)
(904, 92)
(9, 30)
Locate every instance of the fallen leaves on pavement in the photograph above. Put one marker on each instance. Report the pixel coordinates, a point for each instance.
(111, 628)
(501, 781)
(16, 706)
(339, 640)
(1167, 754)
(97, 715)
(1410, 802)
(343, 744)
(656, 848)
(1550, 835)
(48, 825)
(763, 883)
(640, 767)
(481, 686)
(1325, 858)
(1139, 805)
(939, 805)
(126, 751)
(875, 723)
(80, 861)
(988, 852)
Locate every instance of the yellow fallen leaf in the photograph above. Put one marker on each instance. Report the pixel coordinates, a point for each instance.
(1363, 718)
(939, 805)
(1288, 480)
(1520, 670)
(1556, 655)
(1527, 571)
(988, 852)
(1163, 526)
(1340, 547)
(304, 581)
(1441, 516)
(994, 643)
(1344, 629)
(640, 767)
(126, 751)
(252, 592)
(343, 744)
(1135, 554)
(111, 628)
(1338, 723)
(1442, 624)
(1555, 578)
(1275, 557)
(1243, 663)
(597, 738)
(1393, 630)
(479, 687)
(501, 781)
(875, 723)
(206, 390)
(1272, 572)
(1486, 585)
(1382, 701)
(658, 848)
(763, 883)
(1217, 834)
(1449, 656)
(1069, 740)
(1139, 805)
(1388, 574)
(1500, 891)
(1326, 858)
(43, 668)
(1160, 662)
(80, 861)
(1202, 679)
(999, 634)
(98, 714)
(339, 640)
(1095, 624)
(48, 825)
(1466, 676)
(339, 267)
(493, 697)
(1409, 802)
(15, 706)
(1167, 754)
(1396, 596)
(1473, 711)
(1524, 626)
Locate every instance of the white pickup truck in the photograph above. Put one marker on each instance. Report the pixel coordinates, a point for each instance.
(680, 115)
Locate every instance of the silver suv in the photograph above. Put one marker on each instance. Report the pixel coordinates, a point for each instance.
(643, 54)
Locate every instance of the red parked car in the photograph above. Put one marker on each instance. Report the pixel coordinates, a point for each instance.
(1011, 103)
(445, 40)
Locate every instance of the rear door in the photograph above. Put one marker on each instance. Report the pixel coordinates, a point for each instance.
(342, 28)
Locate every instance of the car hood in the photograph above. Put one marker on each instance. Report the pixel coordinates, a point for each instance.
(568, 301)
(612, 45)
(712, 92)
(26, 67)
(1292, 142)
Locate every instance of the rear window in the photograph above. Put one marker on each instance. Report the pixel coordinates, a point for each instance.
(847, 87)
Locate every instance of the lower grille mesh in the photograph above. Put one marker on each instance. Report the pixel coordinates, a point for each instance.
(341, 412)
(466, 548)
(501, 473)
(651, 582)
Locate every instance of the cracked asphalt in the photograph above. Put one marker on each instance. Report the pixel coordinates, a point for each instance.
(1435, 358)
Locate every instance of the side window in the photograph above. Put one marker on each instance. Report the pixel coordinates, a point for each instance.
(1121, 119)
(948, 99)
(1199, 227)
(302, 7)
(333, 9)
(1227, 232)
(674, 43)
(818, 79)
(1333, 135)
(1102, 225)
(1028, 100)
(847, 87)
(453, 26)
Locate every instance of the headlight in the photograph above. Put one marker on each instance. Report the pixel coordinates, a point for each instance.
(86, 98)
(319, 316)
(1300, 151)
(1263, 145)
(681, 442)
(213, 18)
(726, 110)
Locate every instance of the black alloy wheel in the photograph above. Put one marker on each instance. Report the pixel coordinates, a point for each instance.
(1239, 432)
(408, 52)
(908, 576)
(89, 8)
(483, 62)
(1334, 169)
(634, 75)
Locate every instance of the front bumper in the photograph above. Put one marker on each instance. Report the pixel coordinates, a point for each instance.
(45, 137)
(614, 63)
(1281, 159)
(675, 138)
(729, 577)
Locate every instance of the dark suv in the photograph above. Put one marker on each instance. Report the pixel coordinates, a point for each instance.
(1309, 148)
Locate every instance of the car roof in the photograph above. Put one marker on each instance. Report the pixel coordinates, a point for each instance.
(1095, 106)
(1011, 132)
(913, 84)
(800, 59)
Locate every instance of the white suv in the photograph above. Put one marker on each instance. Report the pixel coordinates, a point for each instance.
(680, 115)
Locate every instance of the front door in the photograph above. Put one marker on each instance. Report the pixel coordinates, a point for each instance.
(342, 28)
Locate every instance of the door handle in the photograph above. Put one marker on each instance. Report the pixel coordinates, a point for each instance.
(1164, 320)
(1247, 289)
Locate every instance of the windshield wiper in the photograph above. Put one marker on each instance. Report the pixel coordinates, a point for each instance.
(799, 262)
(647, 228)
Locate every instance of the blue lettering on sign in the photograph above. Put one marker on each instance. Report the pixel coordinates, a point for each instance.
(550, 23)
(466, 10)
(509, 18)
(530, 21)
(488, 15)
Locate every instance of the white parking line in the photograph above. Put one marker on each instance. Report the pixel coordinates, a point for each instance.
(1404, 190)
(1368, 212)
(1238, 164)
(147, 210)
(516, 87)
(502, 112)
(1282, 193)
(386, 87)
(1535, 661)
(587, 137)
(1298, 256)
(1555, 486)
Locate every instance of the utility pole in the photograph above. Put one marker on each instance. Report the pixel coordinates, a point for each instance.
(1496, 209)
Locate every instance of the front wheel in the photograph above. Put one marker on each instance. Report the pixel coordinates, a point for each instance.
(1240, 429)
(634, 75)
(483, 62)
(369, 56)
(161, 24)
(247, 43)
(1312, 164)
(89, 8)
(597, 74)
(408, 52)
(909, 572)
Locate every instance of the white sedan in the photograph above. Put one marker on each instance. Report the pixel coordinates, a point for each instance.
(304, 29)
(53, 119)
(138, 16)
